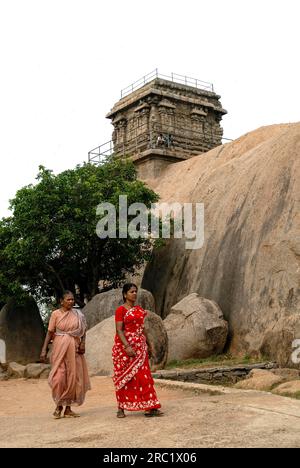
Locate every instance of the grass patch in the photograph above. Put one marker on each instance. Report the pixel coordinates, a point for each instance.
(295, 395)
(213, 361)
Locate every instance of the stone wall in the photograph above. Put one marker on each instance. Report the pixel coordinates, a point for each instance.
(214, 375)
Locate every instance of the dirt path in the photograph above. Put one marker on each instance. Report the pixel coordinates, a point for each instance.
(239, 419)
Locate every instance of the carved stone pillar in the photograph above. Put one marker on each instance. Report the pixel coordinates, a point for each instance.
(119, 135)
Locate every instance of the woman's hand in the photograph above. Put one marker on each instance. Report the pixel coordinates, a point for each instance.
(81, 348)
(150, 351)
(43, 355)
(129, 351)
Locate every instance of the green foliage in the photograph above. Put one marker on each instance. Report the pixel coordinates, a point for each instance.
(295, 395)
(50, 241)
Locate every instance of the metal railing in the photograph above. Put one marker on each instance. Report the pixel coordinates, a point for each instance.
(141, 141)
(175, 77)
(100, 153)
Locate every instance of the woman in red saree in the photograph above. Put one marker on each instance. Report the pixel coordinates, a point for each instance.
(132, 378)
(68, 378)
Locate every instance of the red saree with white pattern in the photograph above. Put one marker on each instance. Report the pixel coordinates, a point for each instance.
(132, 378)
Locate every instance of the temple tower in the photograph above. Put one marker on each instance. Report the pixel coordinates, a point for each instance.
(162, 120)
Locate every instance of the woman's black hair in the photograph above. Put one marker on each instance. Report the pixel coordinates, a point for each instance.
(126, 288)
(64, 294)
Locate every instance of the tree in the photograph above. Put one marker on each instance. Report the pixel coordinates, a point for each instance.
(50, 242)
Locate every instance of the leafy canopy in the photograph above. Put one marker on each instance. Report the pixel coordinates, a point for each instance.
(50, 241)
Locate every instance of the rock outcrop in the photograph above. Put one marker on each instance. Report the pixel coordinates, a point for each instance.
(290, 389)
(103, 305)
(260, 379)
(195, 328)
(250, 261)
(22, 330)
(37, 371)
(15, 370)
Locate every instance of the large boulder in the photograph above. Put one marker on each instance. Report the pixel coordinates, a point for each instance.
(99, 343)
(196, 329)
(37, 371)
(15, 370)
(22, 329)
(249, 261)
(100, 340)
(103, 305)
(158, 338)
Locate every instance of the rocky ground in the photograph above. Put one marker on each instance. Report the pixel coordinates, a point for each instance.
(214, 417)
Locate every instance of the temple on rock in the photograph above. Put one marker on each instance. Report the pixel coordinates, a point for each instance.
(161, 120)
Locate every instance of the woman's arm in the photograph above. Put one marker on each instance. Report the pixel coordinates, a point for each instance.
(48, 338)
(81, 348)
(120, 333)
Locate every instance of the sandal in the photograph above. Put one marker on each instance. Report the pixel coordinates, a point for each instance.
(153, 412)
(120, 413)
(70, 414)
(57, 412)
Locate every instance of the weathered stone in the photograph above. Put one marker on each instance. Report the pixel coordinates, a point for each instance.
(278, 341)
(204, 375)
(3, 375)
(291, 389)
(15, 370)
(158, 338)
(287, 374)
(45, 373)
(229, 374)
(36, 371)
(166, 374)
(100, 340)
(259, 379)
(104, 305)
(249, 262)
(99, 343)
(22, 329)
(240, 373)
(196, 329)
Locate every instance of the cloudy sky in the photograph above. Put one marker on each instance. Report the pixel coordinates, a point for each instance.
(64, 62)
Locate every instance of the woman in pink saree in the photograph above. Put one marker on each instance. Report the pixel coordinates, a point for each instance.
(68, 378)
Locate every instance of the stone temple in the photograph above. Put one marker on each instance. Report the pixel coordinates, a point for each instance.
(161, 120)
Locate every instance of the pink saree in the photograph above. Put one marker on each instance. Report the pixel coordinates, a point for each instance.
(68, 379)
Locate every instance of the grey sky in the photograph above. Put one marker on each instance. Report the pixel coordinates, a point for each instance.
(64, 62)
